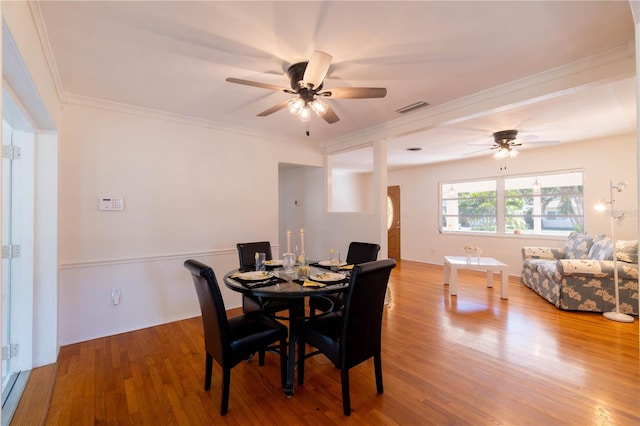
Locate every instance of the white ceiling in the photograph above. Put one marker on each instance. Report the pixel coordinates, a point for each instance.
(174, 57)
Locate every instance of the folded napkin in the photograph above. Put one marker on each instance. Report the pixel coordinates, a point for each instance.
(309, 283)
(258, 284)
(267, 281)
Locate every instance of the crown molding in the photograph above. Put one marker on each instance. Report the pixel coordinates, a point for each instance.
(176, 118)
(41, 29)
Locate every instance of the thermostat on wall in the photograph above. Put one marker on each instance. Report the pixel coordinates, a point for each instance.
(110, 203)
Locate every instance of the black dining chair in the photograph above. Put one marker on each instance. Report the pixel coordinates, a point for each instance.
(229, 341)
(353, 334)
(246, 257)
(358, 253)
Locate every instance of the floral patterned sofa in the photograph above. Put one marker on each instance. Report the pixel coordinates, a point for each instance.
(579, 276)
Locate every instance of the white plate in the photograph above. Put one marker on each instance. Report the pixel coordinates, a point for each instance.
(328, 263)
(255, 276)
(274, 262)
(327, 277)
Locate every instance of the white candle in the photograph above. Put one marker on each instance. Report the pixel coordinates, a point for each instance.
(288, 241)
(302, 239)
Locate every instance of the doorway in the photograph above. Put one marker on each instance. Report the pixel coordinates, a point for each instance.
(393, 222)
(18, 141)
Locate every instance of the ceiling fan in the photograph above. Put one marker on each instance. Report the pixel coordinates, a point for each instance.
(504, 141)
(307, 80)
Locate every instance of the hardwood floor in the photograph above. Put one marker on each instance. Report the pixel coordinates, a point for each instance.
(471, 359)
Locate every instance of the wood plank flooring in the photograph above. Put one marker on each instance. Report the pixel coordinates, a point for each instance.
(472, 359)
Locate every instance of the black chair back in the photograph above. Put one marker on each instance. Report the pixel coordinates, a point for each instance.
(364, 304)
(214, 315)
(231, 340)
(247, 253)
(358, 253)
(362, 252)
(353, 335)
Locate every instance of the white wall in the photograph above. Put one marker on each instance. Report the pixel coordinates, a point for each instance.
(188, 191)
(351, 192)
(45, 284)
(323, 230)
(602, 160)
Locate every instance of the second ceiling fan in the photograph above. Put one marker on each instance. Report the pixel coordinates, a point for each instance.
(307, 81)
(504, 141)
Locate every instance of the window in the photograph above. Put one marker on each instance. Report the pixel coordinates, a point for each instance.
(549, 204)
(469, 206)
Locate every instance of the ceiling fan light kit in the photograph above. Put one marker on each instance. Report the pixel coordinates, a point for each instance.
(307, 80)
(504, 143)
(504, 152)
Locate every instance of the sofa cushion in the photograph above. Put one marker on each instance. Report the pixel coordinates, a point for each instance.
(597, 268)
(602, 248)
(581, 266)
(627, 251)
(539, 253)
(577, 246)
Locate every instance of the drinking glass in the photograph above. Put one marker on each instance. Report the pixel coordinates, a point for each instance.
(261, 261)
(303, 272)
(287, 262)
(335, 260)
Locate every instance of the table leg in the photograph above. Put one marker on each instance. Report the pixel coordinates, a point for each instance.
(504, 284)
(294, 315)
(453, 281)
(447, 269)
(489, 278)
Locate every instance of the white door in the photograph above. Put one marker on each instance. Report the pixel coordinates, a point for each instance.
(8, 373)
(17, 256)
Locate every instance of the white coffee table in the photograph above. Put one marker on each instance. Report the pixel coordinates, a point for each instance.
(489, 264)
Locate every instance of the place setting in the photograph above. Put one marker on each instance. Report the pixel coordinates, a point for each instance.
(273, 263)
(334, 263)
(322, 279)
(256, 279)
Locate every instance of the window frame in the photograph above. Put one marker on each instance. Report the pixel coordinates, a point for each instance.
(502, 217)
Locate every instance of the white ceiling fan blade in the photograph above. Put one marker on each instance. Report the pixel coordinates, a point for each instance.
(317, 68)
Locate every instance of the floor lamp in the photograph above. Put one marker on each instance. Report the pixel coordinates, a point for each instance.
(615, 315)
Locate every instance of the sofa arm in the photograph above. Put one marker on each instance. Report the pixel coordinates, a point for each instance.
(597, 268)
(550, 253)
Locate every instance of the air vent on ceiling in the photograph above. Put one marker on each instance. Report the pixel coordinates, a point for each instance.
(412, 107)
(413, 148)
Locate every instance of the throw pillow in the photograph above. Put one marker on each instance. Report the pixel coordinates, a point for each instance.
(577, 246)
(602, 248)
(627, 251)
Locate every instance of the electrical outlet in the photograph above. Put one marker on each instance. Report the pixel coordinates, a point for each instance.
(115, 296)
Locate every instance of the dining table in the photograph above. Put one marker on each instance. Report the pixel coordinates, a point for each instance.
(277, 284)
